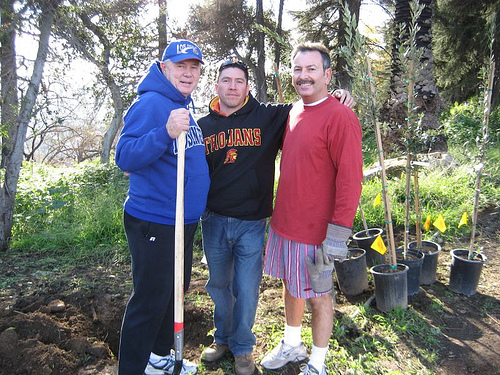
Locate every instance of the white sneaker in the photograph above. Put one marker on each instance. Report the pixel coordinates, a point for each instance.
(311, 370)
(283, 354)
(166, 366)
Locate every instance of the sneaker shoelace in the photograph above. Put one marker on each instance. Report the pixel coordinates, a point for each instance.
(284, 350)
(158, 365)
(308, 370)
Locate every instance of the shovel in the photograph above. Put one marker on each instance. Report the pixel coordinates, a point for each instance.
(179, 257)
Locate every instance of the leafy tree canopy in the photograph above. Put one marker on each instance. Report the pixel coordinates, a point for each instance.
(462, 45)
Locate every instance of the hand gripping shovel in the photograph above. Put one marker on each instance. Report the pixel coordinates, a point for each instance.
(179, 257)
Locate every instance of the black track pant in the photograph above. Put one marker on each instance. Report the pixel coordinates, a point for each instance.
(148, 323)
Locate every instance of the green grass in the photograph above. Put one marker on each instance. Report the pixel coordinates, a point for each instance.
(374, 343)
(446, 191)
(74, 213)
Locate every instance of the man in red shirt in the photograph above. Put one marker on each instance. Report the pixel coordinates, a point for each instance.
(316, 201)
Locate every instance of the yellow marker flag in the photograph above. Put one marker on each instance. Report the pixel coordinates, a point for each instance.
(427, 223)
(463, 220)
(378, 245)
(378, 200)
(440, 224)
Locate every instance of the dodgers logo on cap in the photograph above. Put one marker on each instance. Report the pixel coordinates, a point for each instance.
(179, 50)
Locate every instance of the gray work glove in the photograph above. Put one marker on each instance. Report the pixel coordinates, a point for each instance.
(334, 245)
(320, 271)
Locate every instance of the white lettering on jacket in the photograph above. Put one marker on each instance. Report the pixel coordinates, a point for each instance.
(194, 137)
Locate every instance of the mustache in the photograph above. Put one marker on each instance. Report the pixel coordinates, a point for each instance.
(305, 81)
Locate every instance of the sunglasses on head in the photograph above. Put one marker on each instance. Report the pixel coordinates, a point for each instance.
(234, 62)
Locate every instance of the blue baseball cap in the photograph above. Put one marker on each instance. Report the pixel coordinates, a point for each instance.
(179, 50)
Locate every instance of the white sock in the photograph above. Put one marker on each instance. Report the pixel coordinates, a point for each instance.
(292, 335)
(156, 358)
(317, 357)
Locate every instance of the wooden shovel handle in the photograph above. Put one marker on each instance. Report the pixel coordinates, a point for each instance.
(179, 255)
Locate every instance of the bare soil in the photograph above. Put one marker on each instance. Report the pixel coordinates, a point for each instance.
(55, 322)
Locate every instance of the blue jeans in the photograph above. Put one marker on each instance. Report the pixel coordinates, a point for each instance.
(234, 248)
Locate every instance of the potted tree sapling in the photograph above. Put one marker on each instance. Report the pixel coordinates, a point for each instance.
(411, 257)
(391, 285)
(429, 248)
(467, 264)
(390, 279)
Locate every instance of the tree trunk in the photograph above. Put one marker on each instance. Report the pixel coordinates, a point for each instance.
(103, 65)
(343, 78)
(260, 74)
(116, 122)
(162, 27)
(427, 99)
(277, 48)
(8, 71)
(15, 157)
(495, 99)
(279, 31)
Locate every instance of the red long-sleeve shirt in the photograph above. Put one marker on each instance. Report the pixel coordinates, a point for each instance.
(321, 172)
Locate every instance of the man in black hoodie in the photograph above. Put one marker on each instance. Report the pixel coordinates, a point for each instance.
(242, 138)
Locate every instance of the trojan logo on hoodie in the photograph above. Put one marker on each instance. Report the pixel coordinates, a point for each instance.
(233, 138)
(231, 156)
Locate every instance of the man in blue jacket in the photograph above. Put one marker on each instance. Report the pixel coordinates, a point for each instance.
(242, 138)
(147, 149)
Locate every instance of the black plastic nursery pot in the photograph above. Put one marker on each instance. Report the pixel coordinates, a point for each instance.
(431, 252)
(465, 273)
(352, 276)
(364, 239)
(391, 289)
(414, 260)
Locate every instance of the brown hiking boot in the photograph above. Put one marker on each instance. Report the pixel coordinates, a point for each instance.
(244, 364)
(214, 352)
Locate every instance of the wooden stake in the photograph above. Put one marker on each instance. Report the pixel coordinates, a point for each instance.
(385, 195)
(278, 83)
(407, 205)
(418, 214)
(408, 158)
(486, 120)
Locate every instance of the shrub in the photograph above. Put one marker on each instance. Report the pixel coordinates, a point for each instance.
(74, 211)
(463, 124)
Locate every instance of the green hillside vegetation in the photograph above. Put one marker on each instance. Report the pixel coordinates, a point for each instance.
(76, 212)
